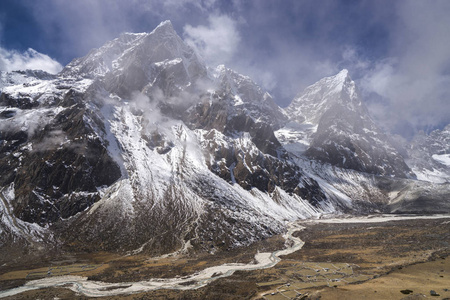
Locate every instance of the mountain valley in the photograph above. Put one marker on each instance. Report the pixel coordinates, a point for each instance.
(141, 150)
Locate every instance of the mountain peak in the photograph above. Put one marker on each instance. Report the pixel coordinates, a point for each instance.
(164, 23)
(164, 26)
(137, 53)
(338, 80)
(338, 122)
(338, 84)
(343, 73)
(320, 96)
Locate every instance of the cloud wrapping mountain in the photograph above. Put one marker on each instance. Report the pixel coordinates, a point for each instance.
(140, 146)
(11, 60)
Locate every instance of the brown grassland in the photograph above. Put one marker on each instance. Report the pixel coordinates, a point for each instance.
(393, 260)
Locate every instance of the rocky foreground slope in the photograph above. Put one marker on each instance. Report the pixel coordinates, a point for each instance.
(139, 146)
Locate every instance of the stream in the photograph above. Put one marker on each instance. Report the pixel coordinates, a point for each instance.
(82, 285)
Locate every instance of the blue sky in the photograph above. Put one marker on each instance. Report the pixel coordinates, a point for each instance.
(397, 51)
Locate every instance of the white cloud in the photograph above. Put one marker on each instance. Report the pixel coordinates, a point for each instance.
(378, 78)
(350, 56)
(413, 79)
(217, 42)
(203, 5)
(11, 60)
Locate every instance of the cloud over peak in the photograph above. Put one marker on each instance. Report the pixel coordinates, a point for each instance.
(414, 79)
(217, 42)
(12, 60)
(396, 51)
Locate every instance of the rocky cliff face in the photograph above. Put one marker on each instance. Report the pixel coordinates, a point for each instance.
(341, 130)
(429, 155)
(22, 77)
(139, 146)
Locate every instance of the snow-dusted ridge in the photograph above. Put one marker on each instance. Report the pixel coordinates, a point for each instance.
(139, 142)
(335, 127)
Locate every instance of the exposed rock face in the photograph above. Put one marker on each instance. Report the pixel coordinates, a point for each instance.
(333, 140)
(138, 146)
(345, 135)
(57, 168)
(247, 97)
(429, 155)
(22, 77)
(142, 62)
(415, 196)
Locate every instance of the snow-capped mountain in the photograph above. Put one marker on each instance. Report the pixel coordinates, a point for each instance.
(139, 146)
(429, 155)
(339, 130)
(333, 139)
(22, 77)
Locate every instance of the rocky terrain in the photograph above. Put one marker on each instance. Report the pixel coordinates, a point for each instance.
(348, 259)
(429, 155)
(140, 147)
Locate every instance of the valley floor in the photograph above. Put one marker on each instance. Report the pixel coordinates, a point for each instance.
(345, 260)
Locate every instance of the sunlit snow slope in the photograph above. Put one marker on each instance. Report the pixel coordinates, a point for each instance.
(140, 147)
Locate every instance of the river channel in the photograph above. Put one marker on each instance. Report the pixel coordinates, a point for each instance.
(82, 285)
